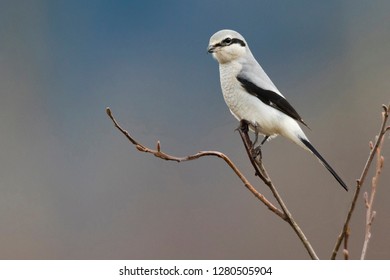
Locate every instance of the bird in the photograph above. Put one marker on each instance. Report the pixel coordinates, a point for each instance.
(251, 96)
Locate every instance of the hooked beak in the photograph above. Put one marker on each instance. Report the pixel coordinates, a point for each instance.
(211, 48)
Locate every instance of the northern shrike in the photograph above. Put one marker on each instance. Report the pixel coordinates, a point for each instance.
(251, 95)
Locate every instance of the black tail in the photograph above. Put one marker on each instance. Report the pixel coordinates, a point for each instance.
(324, 163)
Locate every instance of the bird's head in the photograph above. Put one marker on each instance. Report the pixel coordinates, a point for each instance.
(227, 45)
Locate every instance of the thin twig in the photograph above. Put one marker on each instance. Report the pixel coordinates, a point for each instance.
(158, 153)
(263, 175)
(369, 200)
(260, 171)
(360, 181)
(345, 250)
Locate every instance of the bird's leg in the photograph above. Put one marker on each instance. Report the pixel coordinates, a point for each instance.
(244, 127)
(256, 151)
(256, 137)
(264, 140)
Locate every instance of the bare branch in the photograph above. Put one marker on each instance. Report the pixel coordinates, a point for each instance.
(158, 153)
(263, 175)
(345, 250)
(369, 199)
(260, 171)
(360, 181)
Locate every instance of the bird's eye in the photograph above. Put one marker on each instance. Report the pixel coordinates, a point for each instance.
(227, 41)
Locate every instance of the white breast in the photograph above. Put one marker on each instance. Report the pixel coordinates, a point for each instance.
(246, 106)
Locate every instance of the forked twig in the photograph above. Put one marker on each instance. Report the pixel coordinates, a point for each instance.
(360, 181)
(369, 199)
(263, 175)
(284, 214)
(345, 250)
(162, 155)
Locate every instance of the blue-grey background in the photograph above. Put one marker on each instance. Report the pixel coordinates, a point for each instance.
(72, 187)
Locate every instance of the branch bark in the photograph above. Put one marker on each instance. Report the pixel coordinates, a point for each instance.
(257, 164)
(162, 155)
(369, 200)
(359, 182)
(263, 175)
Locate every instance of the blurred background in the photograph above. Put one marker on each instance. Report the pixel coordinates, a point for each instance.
(72, 186)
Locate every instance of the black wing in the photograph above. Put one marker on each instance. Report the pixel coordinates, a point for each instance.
(271, 98)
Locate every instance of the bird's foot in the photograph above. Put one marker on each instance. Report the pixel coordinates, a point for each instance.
(256, 152)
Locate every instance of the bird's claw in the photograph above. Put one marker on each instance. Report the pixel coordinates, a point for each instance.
(256, 152)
